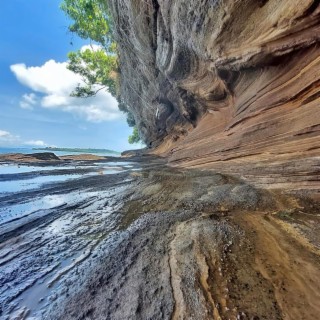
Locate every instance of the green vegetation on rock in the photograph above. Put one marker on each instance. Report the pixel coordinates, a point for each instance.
(134, 138)
(91, 20)
(98, 64)
(97, 69)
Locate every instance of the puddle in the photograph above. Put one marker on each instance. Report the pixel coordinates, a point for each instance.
(114, 164)
(17, 185)
(16, 215)
(103, 170)
(33, 183)
(18, 211)
(15, 169)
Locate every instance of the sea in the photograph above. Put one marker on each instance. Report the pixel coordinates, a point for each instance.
(15, 177)
(58, 153)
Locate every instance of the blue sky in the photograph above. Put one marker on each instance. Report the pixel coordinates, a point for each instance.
(35, 106)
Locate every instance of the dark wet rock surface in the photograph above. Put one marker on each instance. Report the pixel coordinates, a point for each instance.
(44, 156)
(151, 242)
(46, 231)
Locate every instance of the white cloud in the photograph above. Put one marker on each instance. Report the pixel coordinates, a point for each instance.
(6, 138)
(28, 101)
(36, 143)
(54, 82)
(4, 134)
(9, 139)
(93, 47)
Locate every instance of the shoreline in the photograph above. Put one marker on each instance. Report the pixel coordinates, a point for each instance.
(49, 157)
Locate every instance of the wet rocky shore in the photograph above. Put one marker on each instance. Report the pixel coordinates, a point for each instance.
(135, 239)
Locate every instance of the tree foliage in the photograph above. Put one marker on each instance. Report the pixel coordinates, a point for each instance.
(130, 120)
(98, 68)
(134, 138)
(91, 20)
(98, 71)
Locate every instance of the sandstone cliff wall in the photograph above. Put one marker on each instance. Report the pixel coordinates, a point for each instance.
(231, 85)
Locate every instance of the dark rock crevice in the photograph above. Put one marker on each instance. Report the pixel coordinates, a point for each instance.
(155, 23)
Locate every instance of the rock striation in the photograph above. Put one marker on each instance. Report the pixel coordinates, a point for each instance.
(193, 244)
(224, 84)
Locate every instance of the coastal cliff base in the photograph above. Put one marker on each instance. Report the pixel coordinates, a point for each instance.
(226, 85)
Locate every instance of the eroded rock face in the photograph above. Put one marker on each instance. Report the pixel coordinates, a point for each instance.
(230, 85)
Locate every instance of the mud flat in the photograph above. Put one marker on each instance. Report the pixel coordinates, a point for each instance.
(150, 242)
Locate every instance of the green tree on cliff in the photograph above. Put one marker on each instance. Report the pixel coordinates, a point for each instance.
(91, 20)
(134, 138)
(98, 68)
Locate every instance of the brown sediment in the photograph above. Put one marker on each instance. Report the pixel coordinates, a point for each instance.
(291, 266)
(20, 158)
(208, 246)
(82, 157)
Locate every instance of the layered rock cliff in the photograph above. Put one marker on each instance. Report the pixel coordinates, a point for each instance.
(231, 85)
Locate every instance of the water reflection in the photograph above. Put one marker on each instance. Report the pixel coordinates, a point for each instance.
(47, 238)
(16, 169)
(23, 185)
(34, 182)
(17, 211)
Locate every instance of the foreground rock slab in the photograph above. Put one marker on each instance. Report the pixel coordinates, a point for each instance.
(152, 242)
(200, 245)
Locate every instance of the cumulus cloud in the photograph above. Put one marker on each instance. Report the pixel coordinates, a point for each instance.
(6, 138)
(53, 83)
(4, 134)
(36, 143)
(9, 139)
